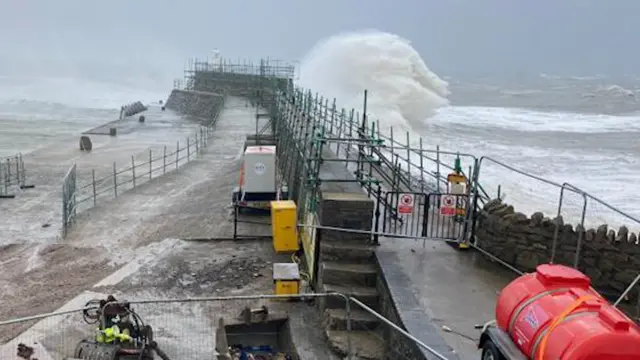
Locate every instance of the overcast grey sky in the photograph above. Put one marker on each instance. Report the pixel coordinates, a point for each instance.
(453, 36)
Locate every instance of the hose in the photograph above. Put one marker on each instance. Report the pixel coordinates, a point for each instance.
(91, 312)
(303, 275)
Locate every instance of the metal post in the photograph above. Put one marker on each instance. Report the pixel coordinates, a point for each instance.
(150, 163)
(340, 131)
(164, 160)
(349, 344)
(376, 240)
(393, 144)
(333, 116)
(64, 209)
(576, 262)
(4, 178)
(17, 170)
(93, 184)
(9, 171)
(115, 180)
(24, 171)
(133, 170)
(409, 158)
(235, 219)
(438, 169)
(75, 194)
(422, 168)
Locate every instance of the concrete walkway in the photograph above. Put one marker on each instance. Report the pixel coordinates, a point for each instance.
(35, 215)
(137, 227)
(436, 285)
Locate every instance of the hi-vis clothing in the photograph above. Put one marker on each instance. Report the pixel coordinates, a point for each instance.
(111, 334)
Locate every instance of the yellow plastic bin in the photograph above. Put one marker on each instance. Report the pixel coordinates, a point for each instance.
(284, 227)
(286, 279)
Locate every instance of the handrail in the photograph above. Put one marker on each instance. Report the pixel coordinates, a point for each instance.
(554, 244)
(397, 328)
(348, 310)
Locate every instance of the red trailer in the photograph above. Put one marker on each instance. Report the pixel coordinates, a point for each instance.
(555, 314)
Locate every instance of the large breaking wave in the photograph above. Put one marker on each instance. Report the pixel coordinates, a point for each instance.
(403, 92)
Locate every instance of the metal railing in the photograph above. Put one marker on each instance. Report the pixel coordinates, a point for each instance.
(264, 68)
(81, 195)
(12, 173)
(400, 163)
(184, 326)
(584, 221)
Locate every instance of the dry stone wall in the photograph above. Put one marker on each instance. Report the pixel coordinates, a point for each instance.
(611, 258)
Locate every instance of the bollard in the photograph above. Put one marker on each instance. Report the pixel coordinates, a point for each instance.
(85, 143)
(112, 131)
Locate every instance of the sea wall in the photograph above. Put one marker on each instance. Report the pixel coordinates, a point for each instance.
(611, 258)
(195, 103)
(400, 305)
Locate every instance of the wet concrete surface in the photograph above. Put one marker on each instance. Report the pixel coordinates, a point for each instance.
(130, 246)
(436, 285)
(34, 216)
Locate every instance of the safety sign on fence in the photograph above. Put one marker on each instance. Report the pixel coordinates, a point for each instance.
(405, 204)
(448, 205)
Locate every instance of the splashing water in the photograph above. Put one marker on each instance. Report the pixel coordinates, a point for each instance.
(403, 92)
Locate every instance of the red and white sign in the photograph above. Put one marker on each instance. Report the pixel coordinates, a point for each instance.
(405, 204)
(448, 205)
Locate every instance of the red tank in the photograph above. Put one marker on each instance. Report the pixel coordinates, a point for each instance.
(584, 326)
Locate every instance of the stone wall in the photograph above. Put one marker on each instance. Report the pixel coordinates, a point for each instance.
(195, 103)
(609, 257)
(346, 211)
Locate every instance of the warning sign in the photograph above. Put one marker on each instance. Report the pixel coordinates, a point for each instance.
(405, 204)
(448, 205)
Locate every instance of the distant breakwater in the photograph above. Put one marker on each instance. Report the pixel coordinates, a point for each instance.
(132, 109)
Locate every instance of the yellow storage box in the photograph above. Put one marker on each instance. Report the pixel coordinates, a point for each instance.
(286, 279)
(284, 227)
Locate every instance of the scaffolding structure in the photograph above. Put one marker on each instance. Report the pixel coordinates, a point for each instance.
(312, 135)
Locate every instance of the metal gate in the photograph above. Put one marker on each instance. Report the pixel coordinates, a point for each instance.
(421, 215)
(404, 214)
(447, 216)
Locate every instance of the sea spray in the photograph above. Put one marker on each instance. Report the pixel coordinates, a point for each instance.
(403, 92)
